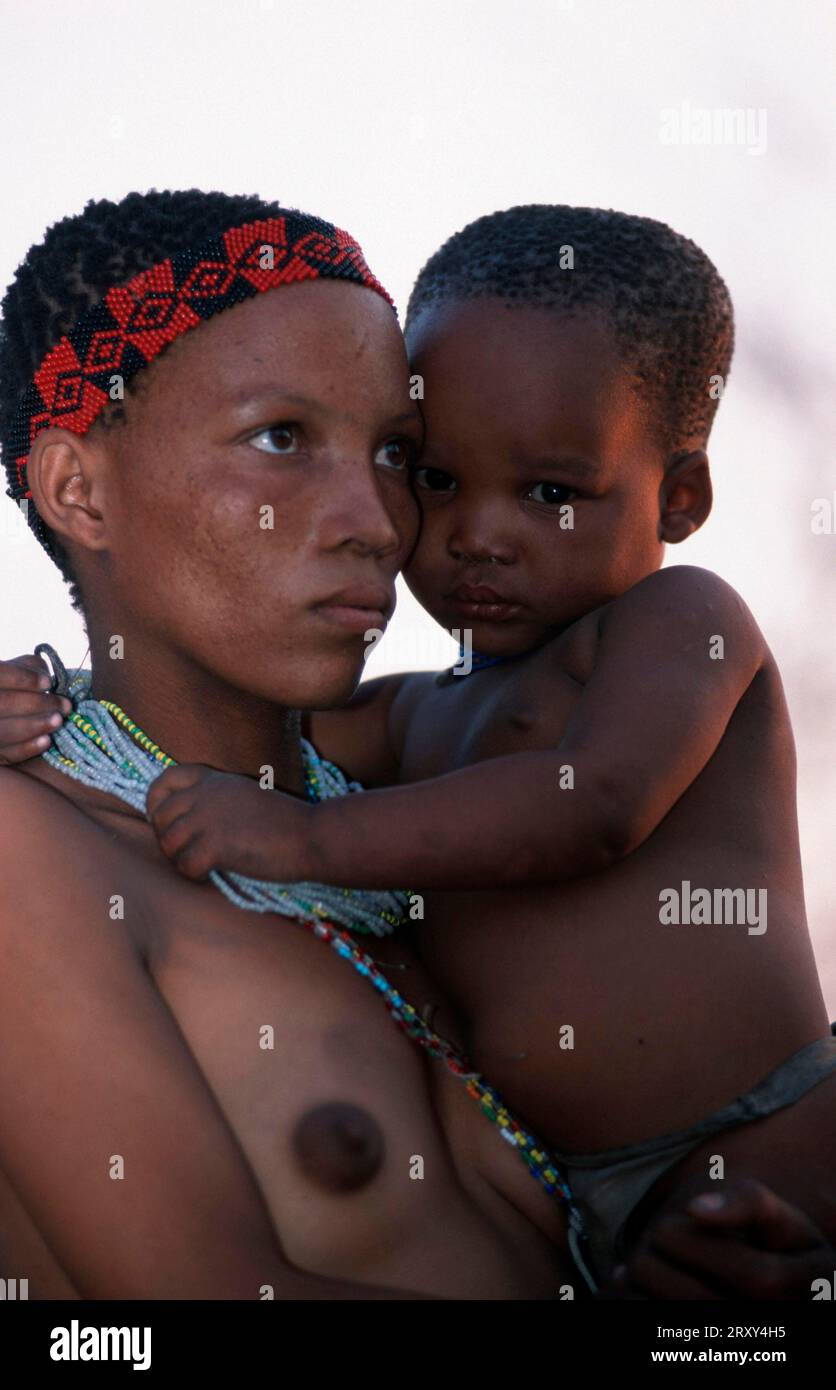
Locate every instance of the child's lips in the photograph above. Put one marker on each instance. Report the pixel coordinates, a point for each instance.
(480, 601)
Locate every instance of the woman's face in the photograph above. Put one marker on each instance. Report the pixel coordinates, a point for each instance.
(261, 476)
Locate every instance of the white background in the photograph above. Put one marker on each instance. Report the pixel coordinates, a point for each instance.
(403, 121)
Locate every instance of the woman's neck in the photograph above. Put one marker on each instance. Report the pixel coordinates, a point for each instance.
(196, 717)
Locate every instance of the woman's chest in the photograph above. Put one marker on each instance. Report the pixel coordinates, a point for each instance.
(325, 1095)
(331, 1102)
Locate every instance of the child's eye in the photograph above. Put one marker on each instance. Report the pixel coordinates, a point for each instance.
(397, 453)
(434, 479)
(284, 436)
(555, 493)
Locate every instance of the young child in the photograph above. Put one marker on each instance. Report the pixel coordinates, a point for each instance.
(608, 789)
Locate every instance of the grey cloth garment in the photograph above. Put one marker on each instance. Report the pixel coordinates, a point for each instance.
(609, 1184)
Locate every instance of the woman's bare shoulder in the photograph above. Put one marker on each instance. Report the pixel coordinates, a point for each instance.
(31, 806)
(25, 784)
(48, 846)
(24, 799)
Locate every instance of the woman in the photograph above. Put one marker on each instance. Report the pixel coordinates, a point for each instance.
(164, 1142)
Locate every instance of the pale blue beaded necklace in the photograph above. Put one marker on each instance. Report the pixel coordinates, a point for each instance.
(102, 748)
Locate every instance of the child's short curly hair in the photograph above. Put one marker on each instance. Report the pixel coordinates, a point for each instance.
(668, 308)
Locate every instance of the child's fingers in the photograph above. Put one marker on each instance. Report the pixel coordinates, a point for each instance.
(24, 673)
(175, 833)
(746, 1204)
(195, 860)
(20, 736)
(31, 702)
(174, 779)
(169, 811)
(22, 752)
(27, 713)
(187, 847)
(176, 839)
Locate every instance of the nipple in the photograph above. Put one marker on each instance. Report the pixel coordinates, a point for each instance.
(339, 1146)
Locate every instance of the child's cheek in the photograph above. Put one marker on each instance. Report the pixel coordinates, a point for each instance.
(422, 576)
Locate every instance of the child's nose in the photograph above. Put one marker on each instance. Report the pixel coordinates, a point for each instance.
(479, 532)
(481, 549)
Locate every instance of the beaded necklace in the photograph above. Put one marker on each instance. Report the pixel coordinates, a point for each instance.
(100, 746)
(92, 749)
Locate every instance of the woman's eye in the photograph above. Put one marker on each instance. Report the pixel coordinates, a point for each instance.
(554, 493)
(396, 453)
(434, 479)
(283, 437)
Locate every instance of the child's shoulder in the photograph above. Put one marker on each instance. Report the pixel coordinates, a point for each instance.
(680, 599)
(670, 607)
(685, 582)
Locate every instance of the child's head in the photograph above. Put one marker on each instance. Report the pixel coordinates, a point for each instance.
(572, 361)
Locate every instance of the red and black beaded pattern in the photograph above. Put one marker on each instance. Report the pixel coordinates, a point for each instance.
(136, 321)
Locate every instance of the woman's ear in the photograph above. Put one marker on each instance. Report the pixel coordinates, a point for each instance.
(685, 496)
(65, 477)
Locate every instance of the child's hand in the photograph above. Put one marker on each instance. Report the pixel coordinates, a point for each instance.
(28, 715)
(744, 1242)
(208, 820)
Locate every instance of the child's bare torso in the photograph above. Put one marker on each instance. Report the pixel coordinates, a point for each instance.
(667, 1022)
(226, 975)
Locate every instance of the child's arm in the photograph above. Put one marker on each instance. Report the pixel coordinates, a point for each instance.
(675, 655)
(26, 709)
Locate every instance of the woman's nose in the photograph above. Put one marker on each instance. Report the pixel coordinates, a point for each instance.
(374, 516)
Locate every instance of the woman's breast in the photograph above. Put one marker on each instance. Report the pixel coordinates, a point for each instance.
(334, 1107)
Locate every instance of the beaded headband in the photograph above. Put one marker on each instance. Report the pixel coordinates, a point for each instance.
(134, 322)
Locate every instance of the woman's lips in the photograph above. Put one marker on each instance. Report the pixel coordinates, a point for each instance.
(358, 607)
(355, 619)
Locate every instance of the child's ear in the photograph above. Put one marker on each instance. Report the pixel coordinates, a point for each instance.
(685, 495)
